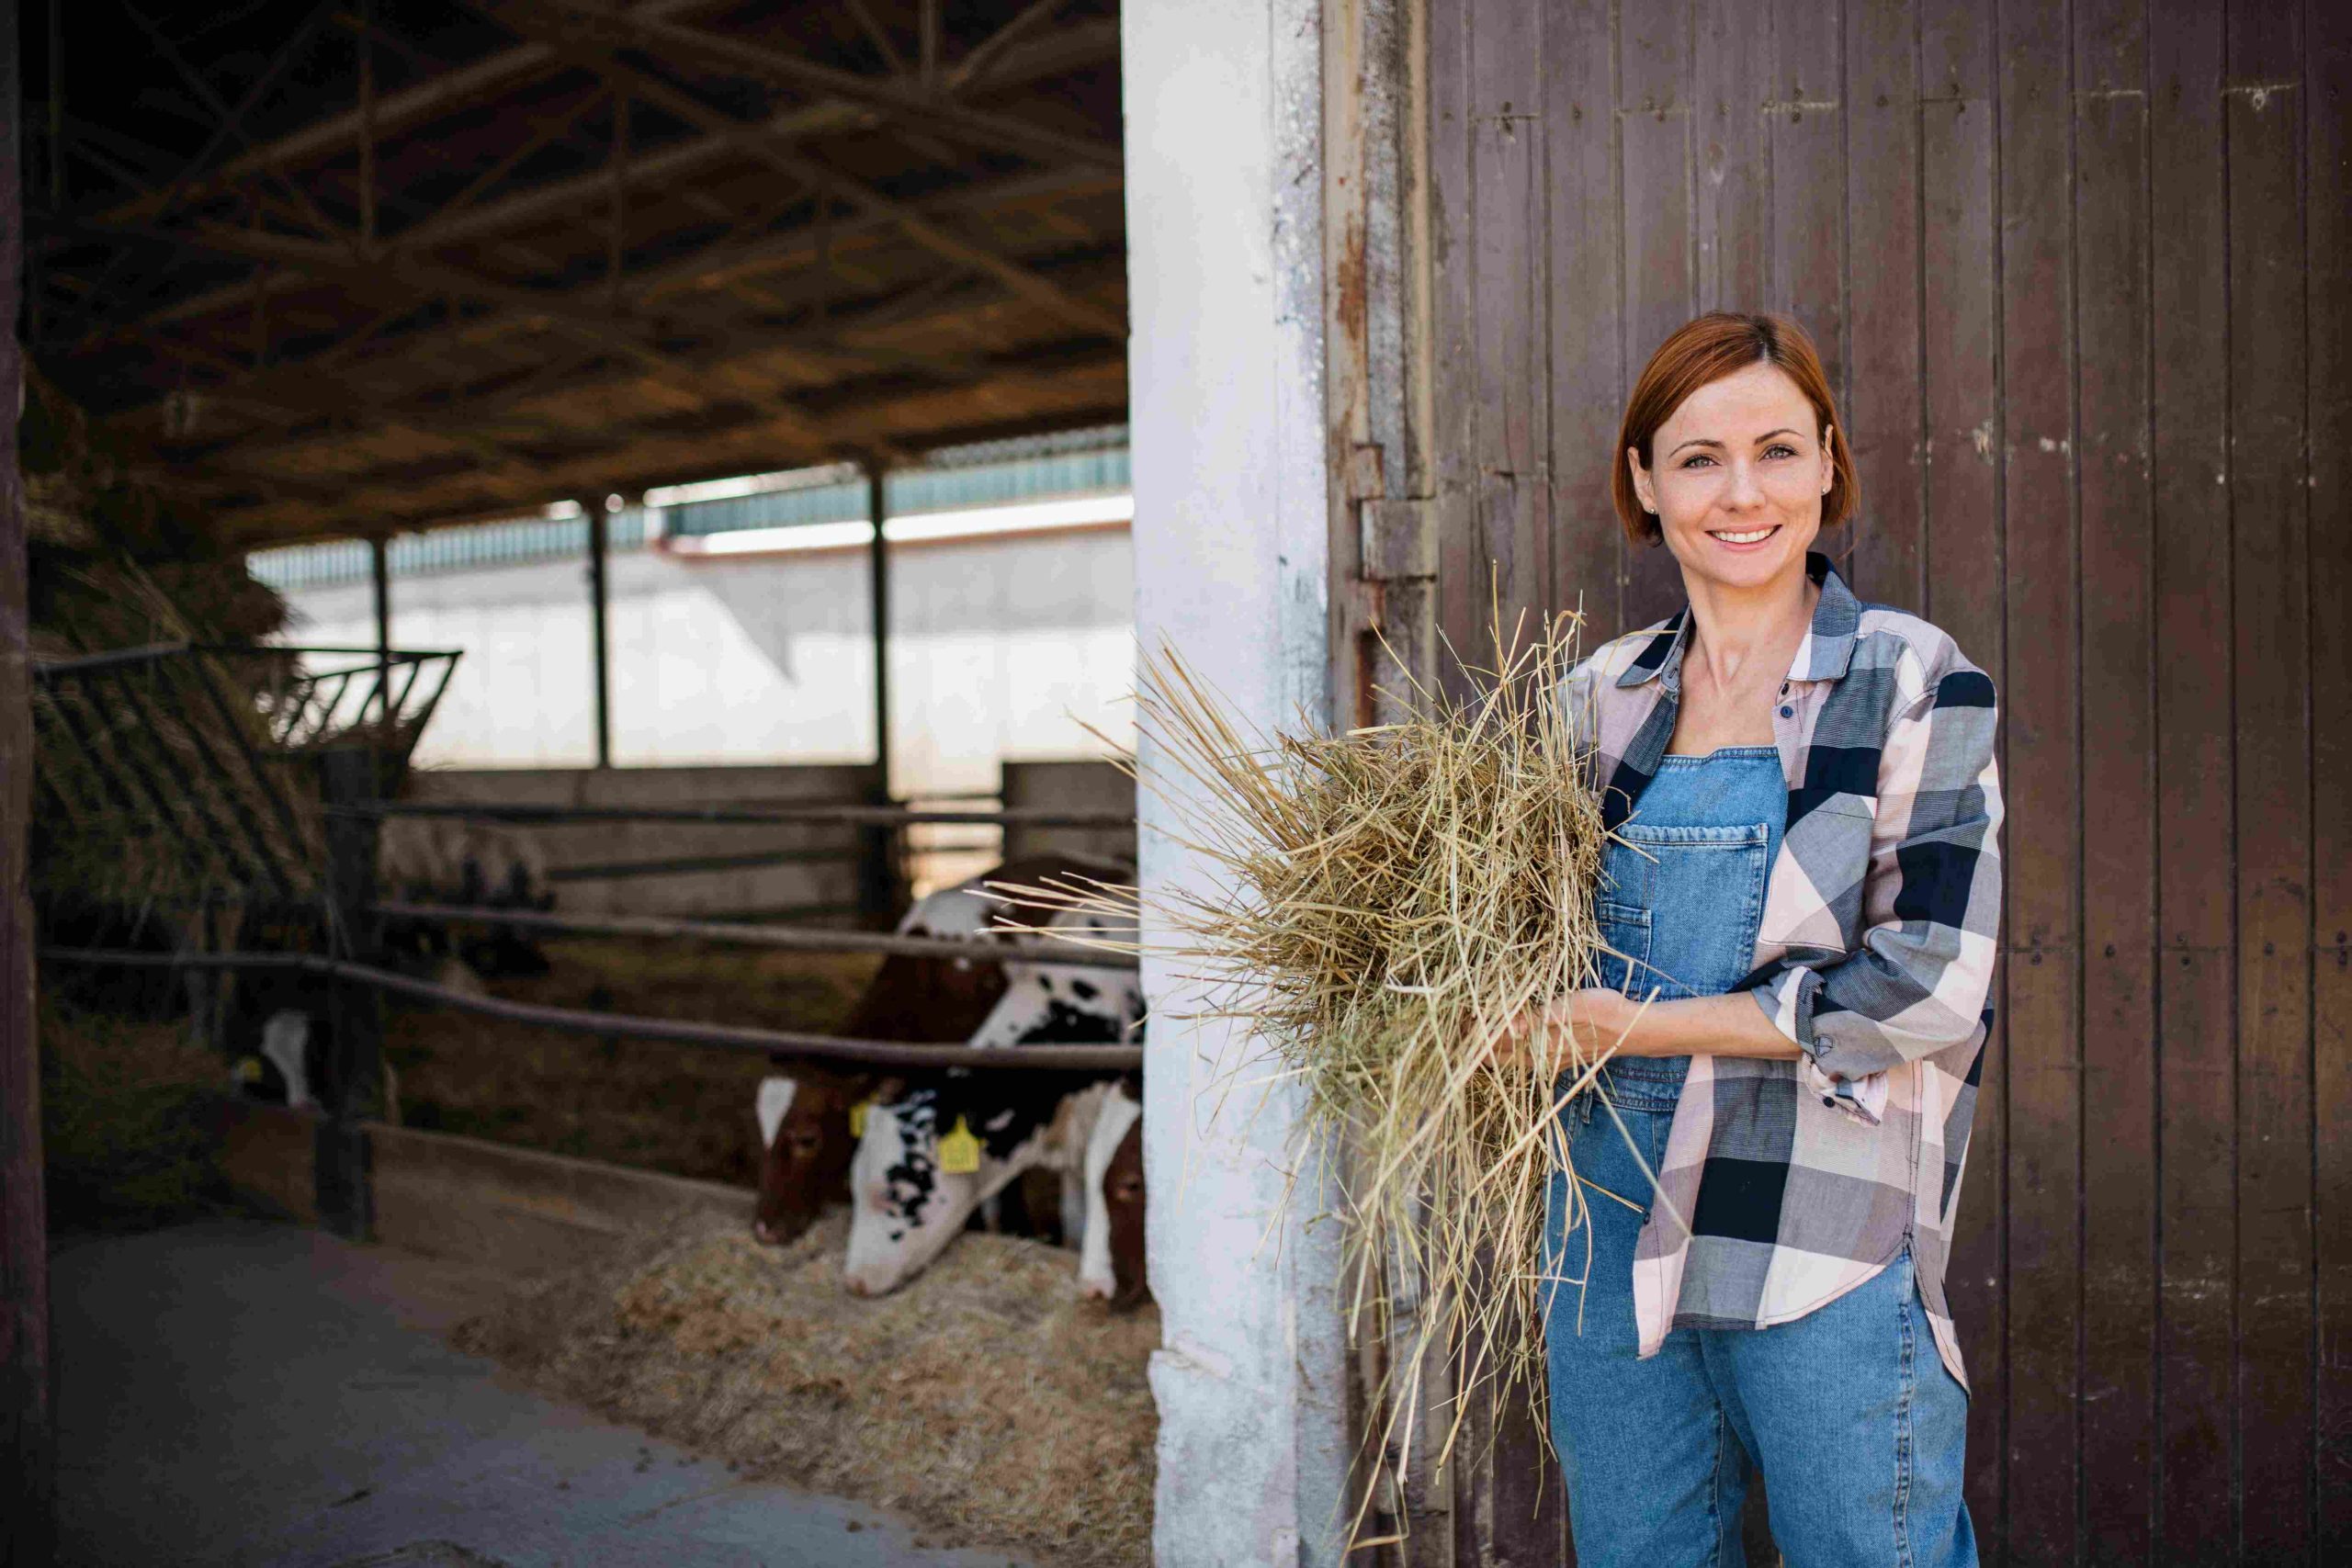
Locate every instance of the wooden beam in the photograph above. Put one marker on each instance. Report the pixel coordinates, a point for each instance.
(479, 416)
(892, 61)
(898, 99)
(232, 120)
(1044, 399)
(673, 100)
(457, 89)
(27, 1419)
(978, 62)
(460, 220)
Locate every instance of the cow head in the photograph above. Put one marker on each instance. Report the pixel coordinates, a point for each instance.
(804, 1108)
(905, 1207)
(805, 1144)
(1111, 1261)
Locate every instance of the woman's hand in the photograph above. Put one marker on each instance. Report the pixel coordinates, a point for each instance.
(1596, 1017)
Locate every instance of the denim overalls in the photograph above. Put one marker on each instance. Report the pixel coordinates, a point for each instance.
(1848, 1411)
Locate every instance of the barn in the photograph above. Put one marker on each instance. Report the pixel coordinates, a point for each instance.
(1359, 285)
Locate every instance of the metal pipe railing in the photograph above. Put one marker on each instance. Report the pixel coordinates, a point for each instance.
(530, 814)
(1040, 944)
(581, 1021)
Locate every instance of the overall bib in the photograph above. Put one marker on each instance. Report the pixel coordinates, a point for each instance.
(1853, 1420)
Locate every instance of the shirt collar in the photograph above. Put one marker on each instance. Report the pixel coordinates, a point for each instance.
(1824, 655)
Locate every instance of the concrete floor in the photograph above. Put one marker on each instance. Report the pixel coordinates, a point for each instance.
(235, 1393)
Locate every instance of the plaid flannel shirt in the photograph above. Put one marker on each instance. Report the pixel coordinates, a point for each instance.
(1800, 1179)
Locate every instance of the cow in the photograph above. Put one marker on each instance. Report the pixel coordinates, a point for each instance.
(908, 1206)
(905, 1205)
(290, 1064)
(804, 1108)
(425, 859)
(1111, 1260)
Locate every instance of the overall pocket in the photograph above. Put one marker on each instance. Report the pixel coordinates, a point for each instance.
(1625, 944)
(1701, 892)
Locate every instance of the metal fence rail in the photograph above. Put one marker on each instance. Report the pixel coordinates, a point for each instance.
(528, 813)
(581, 1021)
(1043, 944)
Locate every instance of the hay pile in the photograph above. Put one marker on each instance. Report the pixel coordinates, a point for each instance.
(985, 1399)
(1390, 899)
(125, 1121)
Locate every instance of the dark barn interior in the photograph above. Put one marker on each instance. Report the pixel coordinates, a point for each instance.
(350, 268)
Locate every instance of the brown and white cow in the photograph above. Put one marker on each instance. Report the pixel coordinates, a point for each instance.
(1111, 1261)
(804, 1108)
(905, 1205)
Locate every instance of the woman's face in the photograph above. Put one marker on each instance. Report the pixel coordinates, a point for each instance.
(1740, 471)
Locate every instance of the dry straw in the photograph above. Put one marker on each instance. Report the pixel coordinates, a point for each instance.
(1386, 900)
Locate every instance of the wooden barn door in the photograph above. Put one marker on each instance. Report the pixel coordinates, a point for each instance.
(2079, 272)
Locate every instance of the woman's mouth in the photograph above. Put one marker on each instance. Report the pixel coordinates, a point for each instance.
(1743, 538)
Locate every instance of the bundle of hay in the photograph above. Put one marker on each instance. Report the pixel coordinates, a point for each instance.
(1391, 898)
(140, 787)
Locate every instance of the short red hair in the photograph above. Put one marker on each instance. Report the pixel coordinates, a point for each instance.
(1717, 345)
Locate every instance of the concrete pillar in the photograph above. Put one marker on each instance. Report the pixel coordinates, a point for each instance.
(1224, 196)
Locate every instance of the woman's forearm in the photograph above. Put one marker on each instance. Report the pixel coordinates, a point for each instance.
(1730, 1025)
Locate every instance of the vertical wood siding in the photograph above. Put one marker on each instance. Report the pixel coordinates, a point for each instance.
(2079, 270)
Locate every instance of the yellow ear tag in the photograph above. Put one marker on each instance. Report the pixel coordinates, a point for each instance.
(857, 1119)
(959, 1152)
(248, 1070)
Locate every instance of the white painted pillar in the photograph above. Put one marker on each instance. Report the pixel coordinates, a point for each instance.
(1231, 541)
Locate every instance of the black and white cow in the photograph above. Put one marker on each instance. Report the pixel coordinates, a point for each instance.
(906, 1207)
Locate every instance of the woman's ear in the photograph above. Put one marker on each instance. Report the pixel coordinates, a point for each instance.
(1641, 479)
(1829, 457)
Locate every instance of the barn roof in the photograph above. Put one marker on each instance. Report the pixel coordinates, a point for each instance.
(353, 267)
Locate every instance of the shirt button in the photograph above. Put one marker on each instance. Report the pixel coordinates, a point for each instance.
(1785, 713)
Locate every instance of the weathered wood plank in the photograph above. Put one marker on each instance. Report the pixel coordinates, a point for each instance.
(1452, 288)
(2270, 618)
(2195, 1494)
(2042, 832)
(1732, 189)
(1805, 120)
(1654, 138)
(1587, 340)
(1963, 595)
(2110, 285)
(1884, 283)
(1507, 191)
(2327, 245)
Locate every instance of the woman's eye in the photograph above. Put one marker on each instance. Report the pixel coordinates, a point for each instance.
(1693, 461)
(1779, 449)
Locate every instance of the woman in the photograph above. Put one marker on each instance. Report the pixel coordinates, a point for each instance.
(1808, 880)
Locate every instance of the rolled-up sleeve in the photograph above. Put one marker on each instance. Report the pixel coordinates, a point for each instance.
(1916, 982)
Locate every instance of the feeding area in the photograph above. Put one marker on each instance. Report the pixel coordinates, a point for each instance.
(985, 1400)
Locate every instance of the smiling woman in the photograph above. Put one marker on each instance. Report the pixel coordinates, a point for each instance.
(1799, 901)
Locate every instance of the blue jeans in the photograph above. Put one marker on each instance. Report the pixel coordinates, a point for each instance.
(1858, 1428)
